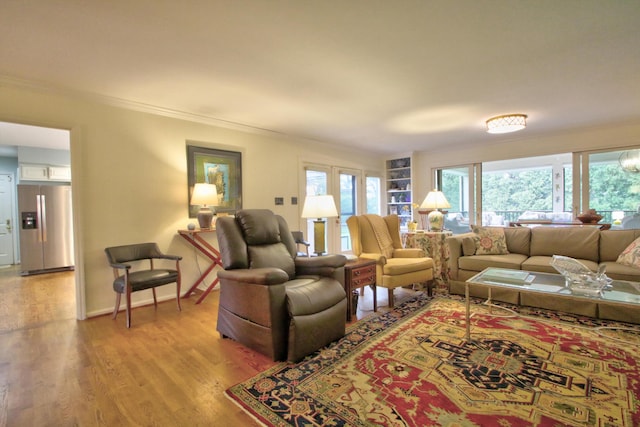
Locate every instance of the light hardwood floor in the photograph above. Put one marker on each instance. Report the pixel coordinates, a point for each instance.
(169, 369)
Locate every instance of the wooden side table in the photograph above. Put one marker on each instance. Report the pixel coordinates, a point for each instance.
(359, 273)
(194, 238)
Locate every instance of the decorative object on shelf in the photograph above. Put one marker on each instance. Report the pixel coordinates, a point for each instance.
(589, 217)
(435, 200)
(319, 207)
(204, 195)
(507, 123)
(579, 278)
(191, 226)
(412, 226)
(630, 161)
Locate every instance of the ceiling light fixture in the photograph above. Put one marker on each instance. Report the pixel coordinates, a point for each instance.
(507, 123)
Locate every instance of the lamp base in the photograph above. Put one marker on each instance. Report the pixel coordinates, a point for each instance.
(436, 220)
(318, 237)
(205, 217)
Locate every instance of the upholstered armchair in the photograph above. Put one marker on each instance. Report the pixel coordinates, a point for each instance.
(272, 301)
(378, 238)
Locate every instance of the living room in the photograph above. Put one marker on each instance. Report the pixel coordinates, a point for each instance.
(128, 157)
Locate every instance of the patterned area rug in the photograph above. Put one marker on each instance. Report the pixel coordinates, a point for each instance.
(412, 367)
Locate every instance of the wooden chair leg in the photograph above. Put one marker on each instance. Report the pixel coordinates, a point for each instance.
(128, 307)
(155, 301)
(117, 307)
(390, 297)
(430, 284)
(178, 294)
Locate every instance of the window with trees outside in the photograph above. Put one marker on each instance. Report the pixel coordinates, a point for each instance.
(542, 188)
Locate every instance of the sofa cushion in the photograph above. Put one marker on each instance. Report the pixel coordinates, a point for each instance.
(613, 242)
(631, 254)
(617, 271)
(542, 263)
(490, 240)
(518, 239)
(468, 246)
(575, 242)
(480, 262)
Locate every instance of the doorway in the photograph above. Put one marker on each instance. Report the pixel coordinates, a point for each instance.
(7, 220)
(19, 145)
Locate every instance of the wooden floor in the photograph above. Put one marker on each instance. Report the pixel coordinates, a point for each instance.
(169, 369)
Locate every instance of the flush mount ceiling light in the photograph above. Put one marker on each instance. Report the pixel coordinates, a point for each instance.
(507, 123)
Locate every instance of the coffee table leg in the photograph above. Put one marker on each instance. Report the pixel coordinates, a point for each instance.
(467, 336)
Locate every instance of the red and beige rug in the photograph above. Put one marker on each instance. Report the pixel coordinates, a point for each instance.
(412, 367)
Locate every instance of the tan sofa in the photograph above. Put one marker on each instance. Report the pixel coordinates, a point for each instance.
(532, 249)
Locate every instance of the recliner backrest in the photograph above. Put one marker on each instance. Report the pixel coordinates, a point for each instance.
(256, 238)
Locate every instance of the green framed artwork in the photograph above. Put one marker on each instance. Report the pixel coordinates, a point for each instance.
(220, 167)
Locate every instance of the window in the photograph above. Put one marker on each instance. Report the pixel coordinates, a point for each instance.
(373, 205)
(613, 191)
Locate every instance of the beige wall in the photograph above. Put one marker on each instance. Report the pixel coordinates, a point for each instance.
(130, 177)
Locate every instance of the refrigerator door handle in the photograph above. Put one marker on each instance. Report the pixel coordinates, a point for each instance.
(43, 216)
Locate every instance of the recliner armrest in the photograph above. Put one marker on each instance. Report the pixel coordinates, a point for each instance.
(333, 260)
(322, 265)
(258, 276)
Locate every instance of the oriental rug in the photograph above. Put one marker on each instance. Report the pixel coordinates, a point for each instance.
(412, 367)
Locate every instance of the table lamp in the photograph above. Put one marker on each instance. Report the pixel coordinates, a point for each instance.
(435, 200)
(319, 207)
(204, 195)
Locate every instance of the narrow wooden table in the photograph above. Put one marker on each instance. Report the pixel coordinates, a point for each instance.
(195, 239)
(359, 273)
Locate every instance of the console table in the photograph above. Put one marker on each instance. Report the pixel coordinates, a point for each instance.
(197, 241)
(433, 243)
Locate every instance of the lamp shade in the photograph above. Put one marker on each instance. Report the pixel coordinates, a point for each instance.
(204, 194)
(319, 207)
(435, 200)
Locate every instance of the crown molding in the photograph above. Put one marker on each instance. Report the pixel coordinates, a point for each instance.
(45, 87)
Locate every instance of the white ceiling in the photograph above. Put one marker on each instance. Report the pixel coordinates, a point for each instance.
(390, 76)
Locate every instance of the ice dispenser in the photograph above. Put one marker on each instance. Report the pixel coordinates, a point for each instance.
(29, 220)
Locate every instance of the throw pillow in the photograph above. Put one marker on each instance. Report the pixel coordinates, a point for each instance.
(631, 255)
(468, 246)
(490, 240)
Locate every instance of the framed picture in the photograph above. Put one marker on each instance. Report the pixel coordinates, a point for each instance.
(220, 167)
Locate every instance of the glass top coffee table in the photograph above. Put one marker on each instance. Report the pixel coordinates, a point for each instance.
(535, 286)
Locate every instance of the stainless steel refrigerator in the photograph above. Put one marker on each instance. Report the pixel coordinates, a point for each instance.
(46, 228)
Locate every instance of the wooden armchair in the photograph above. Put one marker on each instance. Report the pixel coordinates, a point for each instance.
(127, 281)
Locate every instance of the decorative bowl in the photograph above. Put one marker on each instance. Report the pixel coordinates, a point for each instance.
(589, 218)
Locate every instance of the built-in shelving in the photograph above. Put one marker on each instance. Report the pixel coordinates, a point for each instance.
(399, 194)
